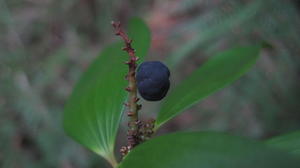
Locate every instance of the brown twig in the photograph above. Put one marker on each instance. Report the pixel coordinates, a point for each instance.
(133, 131)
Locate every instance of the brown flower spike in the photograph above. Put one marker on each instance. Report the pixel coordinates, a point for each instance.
(133, 107)
(138, 131)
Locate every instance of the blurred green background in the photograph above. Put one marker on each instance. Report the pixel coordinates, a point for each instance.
(45, 45)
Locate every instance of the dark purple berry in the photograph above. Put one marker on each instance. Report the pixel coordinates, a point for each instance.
(153, 80)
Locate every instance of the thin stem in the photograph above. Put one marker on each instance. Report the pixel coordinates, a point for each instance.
(133, 107)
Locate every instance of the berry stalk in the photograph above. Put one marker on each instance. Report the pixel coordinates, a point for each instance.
(133, 106)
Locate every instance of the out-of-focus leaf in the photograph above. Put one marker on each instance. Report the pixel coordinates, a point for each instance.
(289, 142)
(206, 150)
(210, 28)
(93, 112)
(216, 73)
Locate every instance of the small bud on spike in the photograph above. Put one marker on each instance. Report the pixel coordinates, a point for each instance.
(124, 150)
(128, 89)
(135, 59)
(129, 113)
(137, 99)
(139, 106)
(126, 77)
(138, 122)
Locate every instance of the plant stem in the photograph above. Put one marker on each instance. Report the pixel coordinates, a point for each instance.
(132, 134)
(112, 160)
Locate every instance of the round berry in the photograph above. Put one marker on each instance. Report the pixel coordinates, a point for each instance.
(153, 80)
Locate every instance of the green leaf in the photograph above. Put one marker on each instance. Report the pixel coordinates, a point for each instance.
(206, 150)
(216, 73)
(93, 112)
(289, 142)
(141, 36)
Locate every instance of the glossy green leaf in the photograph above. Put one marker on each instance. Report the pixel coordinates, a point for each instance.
(289, 142)
(93, 112)
(216, 73)
(206, 150)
